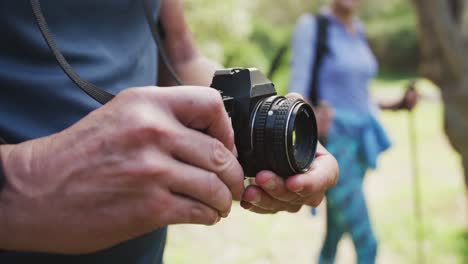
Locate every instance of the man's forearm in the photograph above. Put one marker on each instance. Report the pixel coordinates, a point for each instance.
(191, 66)
(197, 71)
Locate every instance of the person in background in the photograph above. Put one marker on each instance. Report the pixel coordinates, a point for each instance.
(347, 118)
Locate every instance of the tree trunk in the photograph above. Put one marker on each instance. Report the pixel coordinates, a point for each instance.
(444, 61)
(456, 122)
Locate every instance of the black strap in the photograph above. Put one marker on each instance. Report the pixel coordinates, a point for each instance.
(157, 34)
(321, 49)
(96, 93)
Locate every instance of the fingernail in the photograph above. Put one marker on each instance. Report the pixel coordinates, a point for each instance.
(270, 185)
(257, 199)
(298, 189)
(234, 151)
(299, 186)
(224, 214)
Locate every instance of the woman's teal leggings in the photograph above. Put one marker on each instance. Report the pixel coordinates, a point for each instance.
(346, 207)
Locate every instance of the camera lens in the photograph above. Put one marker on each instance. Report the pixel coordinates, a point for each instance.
(284, 135)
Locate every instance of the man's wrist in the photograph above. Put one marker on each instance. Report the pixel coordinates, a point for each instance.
(4, 223)
(12, 233)
(4, 150)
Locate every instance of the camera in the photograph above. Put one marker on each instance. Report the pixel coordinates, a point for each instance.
(272, 132)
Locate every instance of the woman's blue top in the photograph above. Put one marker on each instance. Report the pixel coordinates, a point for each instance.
(344, 78)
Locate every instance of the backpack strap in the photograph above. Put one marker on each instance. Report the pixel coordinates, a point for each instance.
(321, 49)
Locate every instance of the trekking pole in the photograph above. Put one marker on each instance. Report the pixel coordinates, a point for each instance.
(419, 232)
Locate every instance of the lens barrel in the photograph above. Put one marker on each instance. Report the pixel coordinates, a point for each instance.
(283, 135)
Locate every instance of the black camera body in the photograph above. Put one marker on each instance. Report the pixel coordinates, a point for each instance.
(271, 132)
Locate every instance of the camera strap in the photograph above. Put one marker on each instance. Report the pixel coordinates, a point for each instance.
(93, 91)
(96, 93)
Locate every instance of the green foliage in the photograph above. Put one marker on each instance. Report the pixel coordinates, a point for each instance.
(248, 33)
(392, 35)
(219, 25)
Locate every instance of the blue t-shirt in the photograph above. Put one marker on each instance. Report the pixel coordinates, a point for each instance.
(108, 43)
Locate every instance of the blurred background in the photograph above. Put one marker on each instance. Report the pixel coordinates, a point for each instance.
(410, 43)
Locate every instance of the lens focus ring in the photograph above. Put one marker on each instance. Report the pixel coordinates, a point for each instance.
(259, 131)
(280, 115)
(284, 135)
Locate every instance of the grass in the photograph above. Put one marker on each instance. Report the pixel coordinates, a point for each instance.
(296, 238)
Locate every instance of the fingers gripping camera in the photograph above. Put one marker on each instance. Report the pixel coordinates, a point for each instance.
(272, 132)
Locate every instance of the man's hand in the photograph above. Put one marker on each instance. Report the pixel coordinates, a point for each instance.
(138, 163)
(270, 193)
